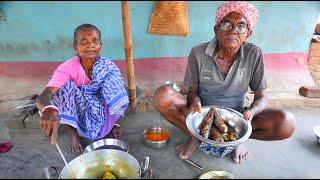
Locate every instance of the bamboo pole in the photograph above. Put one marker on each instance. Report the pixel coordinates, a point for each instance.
(125, 8)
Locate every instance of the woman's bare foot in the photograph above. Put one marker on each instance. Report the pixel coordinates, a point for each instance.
(184, 151)
(116, 132)
(240, 154)
(75, 144)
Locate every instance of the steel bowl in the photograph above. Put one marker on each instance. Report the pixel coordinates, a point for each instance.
(211, 174)
(316, 131)
(92, 165)
(152, 143)
(232, 117)
(217, 175)
(108, 143)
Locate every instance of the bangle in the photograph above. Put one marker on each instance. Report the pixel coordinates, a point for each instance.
(47, 107)
(116, 125)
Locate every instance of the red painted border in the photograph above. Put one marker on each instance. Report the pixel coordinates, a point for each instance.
(153, 70)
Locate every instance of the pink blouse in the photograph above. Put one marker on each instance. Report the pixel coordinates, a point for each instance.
(70, 69)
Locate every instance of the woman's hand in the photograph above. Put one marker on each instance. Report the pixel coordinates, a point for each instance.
(50, 123)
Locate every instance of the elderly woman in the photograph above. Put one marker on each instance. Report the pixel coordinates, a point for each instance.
(86, 92)
(219, 73)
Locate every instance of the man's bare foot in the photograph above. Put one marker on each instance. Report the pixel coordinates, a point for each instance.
(184, 151)
(240, 154)
(116, 132)
(75, 145)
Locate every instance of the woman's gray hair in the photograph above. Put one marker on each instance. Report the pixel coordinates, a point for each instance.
(83, 26)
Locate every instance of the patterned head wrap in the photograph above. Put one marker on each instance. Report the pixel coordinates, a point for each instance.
(249, 12)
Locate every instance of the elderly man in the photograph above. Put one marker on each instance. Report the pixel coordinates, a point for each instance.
(219, 73)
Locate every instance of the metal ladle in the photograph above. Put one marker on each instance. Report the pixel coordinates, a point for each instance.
(64, 160)
(199, 167)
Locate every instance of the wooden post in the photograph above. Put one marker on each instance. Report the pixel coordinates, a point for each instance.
(125, 8)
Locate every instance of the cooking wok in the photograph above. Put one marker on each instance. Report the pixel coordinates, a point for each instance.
(92, 165)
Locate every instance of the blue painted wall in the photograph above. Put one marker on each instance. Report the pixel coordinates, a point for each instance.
(43, 31)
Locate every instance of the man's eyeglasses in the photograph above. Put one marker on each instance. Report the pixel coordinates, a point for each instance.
(227, 26)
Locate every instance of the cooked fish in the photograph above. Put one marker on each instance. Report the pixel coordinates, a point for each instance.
(215, 134)
(218, 121)
(206, 123)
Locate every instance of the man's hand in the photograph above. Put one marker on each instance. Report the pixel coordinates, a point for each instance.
(247, 115)
(50, 123)
(196, 105)
(258, 105)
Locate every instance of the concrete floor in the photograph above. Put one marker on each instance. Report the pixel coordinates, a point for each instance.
(297, 157)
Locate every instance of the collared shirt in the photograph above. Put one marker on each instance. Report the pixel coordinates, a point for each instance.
(247, 70)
